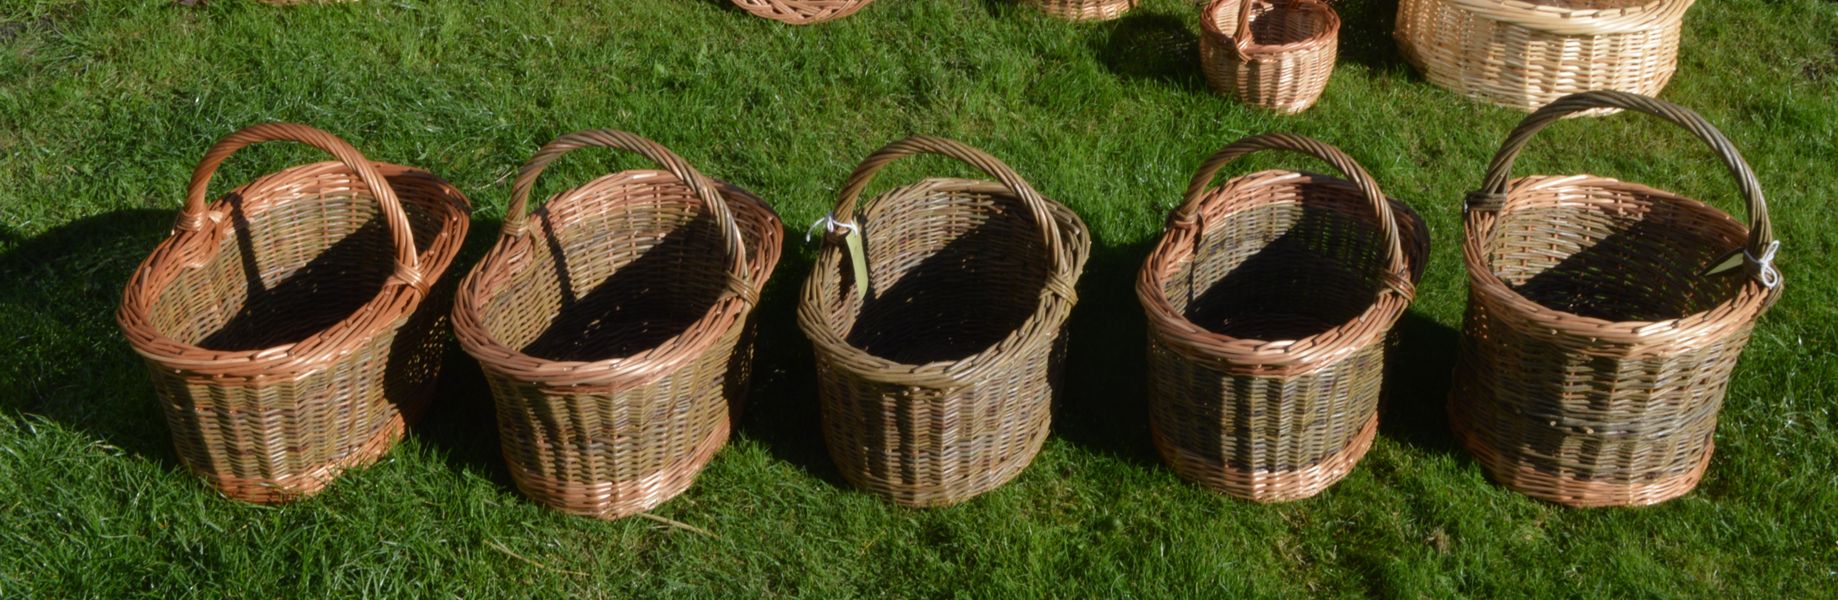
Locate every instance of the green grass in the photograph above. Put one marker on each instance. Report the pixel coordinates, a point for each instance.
(106, 105)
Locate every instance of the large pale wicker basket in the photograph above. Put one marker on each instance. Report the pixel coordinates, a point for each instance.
(1272, 55)
(1526, 53)
(1085, 10)
(937, 369)
(1269, 301)
(1603, 320)
(802, 12)
(294, 326)
(613, 327)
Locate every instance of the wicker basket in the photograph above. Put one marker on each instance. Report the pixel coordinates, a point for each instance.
(613, 327)
(1269, 301)
(1603, 320)
(1085, 10)
(938, 364)
(802, 12)
(292, 326)
(1526, 53)
(1277, 56)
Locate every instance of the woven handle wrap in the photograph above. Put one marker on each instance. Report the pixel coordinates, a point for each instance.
(990, 165)
(1188, 214)
(516, 216)
(196, 212)
(1242, 36)
(1493, 193)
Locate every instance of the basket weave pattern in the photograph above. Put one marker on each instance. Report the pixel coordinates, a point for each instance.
(1596, 349)
(282, 343)
(1269, 302)
(936, 383)
(1525, 54)
(1277, 56)
(802, 12)
(1085, 10)
(613, 327)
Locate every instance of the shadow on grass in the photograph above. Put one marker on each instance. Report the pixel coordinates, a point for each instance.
(461, 423)
(1154, 47)
(68, 361)
(1104, 407)
(1417, 376)
(1365, 35)
(781, 410)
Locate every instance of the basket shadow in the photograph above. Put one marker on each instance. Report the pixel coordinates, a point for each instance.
(1103, 406)
(71, 364)
(460, 423)
(782, 412)
(1144, 46)
(1418, 370)
(1365, 35)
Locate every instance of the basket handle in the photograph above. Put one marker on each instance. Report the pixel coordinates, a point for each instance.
(196, 213)
(990, 165)
(516, 216)
(1242, 35)
(1761, 244)
(1397, 278)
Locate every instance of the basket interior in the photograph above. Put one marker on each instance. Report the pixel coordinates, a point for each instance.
(302, 254)
(1614, 251)
(955, 266)
(1279, 24)
(1273, 267)
(624, 264)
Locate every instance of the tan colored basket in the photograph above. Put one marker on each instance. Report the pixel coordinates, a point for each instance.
(1269, 301)
(1085, 10)
(1603, 320)
(802, 12)
(1273, 55)
(937, 373)
(1526, 53)
(613, 327)
(291, 327)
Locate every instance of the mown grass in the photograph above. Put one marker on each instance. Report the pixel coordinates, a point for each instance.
(106, 106)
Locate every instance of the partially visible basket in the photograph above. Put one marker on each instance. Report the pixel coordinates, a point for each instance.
(1085, 10)
(1604, 318)
(1273, 55)
(1269, 302)
(293, 326)
(1526, 53)
(802, 12)
(613, 327)
(939, 344)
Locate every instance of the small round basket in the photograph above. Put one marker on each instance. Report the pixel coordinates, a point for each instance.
(1269, 301)
(1524, 54)
(613, 327)
(802, 12)
(294, 326)
(1603, 320)
(937, 317)
(1272, 55)
(1085, 10)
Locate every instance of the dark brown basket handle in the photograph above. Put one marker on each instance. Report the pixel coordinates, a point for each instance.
(516, 216)
(1492, 195)
(1188, 213)
(196, 212)
(990, 165)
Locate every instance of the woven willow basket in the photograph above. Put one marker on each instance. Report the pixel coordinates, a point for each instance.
(937, 373)
(802, 12)
(1085, 10)
(1526, 53)
(1277, 56)
(1269, 301)
(1600, 335)
(613, 327)
(293, 326)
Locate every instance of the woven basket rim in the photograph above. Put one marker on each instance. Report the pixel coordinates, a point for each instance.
(1542, 16)
(376, 316)
(634, 370)
(1222, 347)
(1752, 297)
(1327, 29)
(1074, 240)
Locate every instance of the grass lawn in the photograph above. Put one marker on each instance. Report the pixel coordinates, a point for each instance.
(106, 105)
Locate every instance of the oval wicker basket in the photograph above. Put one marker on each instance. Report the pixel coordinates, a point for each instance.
(1085, 10)
(937, 372)
(293, 326)
(1272, 55)
(802, 12)
(1526, 53)
(1600, 333)
(613, 327)
(1269, 301)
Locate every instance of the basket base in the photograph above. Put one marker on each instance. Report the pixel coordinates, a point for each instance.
(278, 491)
(1577, 493)
(1268, 486)
(611, 500)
